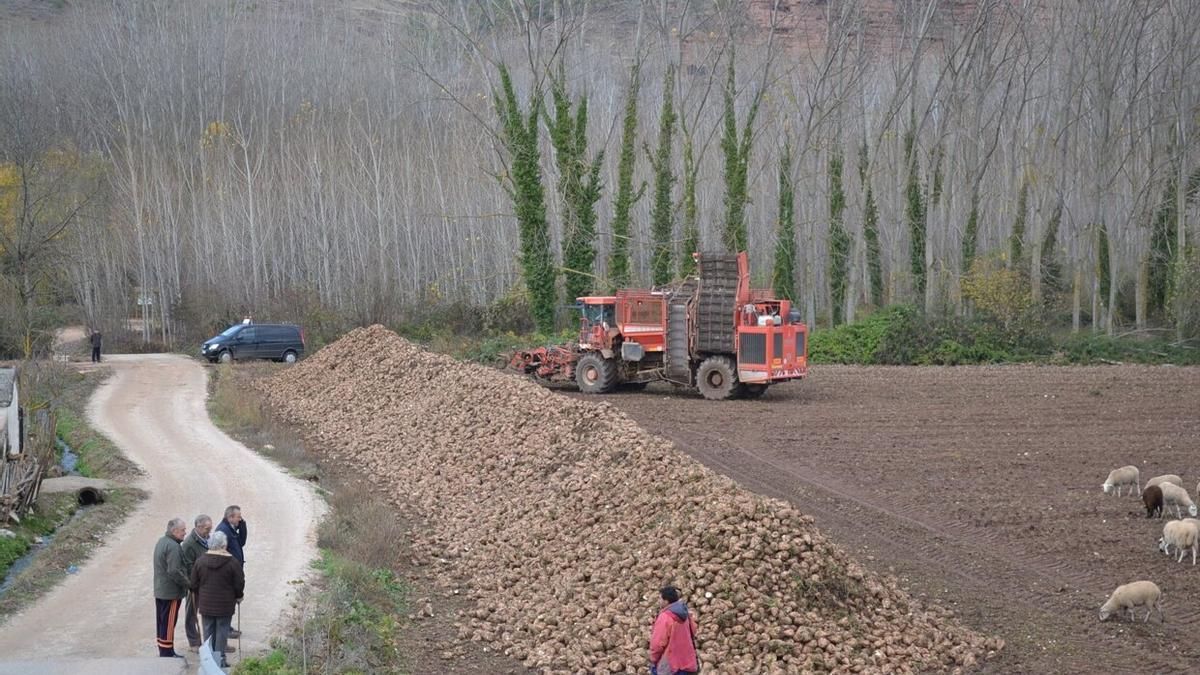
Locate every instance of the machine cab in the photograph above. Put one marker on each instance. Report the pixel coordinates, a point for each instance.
(598, 322)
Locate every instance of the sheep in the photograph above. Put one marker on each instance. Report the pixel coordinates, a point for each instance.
(1177, 496)
(1153, 499)
(1165, 478)
(1121, 477)
(1136, 594)
(1182, 536)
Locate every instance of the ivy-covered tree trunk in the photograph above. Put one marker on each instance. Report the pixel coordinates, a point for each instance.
(871, 229)
(1104, 275)
(932, 201)
(839, 240)
(523, 183)
(1017, 238)
(784, 276)
(662, 211)
(1162, 244)
(579, 188)
(1184, 258)
(970, 238)
(1051, 271)
(618, 259)
(914, 212)
(691, 224)
(736, 148)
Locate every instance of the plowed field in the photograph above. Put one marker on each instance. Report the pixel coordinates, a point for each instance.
(980, 488)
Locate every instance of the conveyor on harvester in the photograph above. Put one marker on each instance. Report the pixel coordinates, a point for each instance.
(717, 303)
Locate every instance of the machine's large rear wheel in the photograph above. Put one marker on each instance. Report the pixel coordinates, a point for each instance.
(717, 378)
(595, 374)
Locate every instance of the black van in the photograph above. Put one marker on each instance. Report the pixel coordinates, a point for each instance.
(275, 341)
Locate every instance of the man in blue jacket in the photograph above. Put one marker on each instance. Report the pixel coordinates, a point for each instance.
(234, 527)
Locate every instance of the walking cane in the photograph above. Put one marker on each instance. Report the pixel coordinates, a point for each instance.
(239, 629)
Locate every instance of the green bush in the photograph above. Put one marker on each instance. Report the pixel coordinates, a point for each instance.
(862, 341)
(11, 550)
(274, 663)
(1089, 349)
(902, 336)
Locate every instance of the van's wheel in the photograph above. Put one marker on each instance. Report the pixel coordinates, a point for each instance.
(289, 356)
(717, 378)
(753, 390)
(226, 357)
(595, 374)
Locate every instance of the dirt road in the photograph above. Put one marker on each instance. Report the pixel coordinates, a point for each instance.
(154, 408)
(980, 489)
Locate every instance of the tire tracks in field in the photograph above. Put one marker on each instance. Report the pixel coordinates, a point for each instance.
(967, 553)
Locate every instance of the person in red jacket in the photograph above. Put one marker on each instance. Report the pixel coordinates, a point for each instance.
(674, 637)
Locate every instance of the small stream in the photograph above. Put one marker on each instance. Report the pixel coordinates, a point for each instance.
(27, 559)
(67, 461)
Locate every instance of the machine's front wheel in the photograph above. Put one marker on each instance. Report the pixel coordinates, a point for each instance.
(717, 378)
(595, 374)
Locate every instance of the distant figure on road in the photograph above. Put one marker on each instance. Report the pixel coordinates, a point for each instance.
(674, 637)
(170, 584)
(234, 528)
(96, 341)
(219, 582)
(193, 547)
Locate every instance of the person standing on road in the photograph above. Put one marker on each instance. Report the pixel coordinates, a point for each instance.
(234, 528)
(673, 637)
(170, 584)
(193, 547)
(96, 339)
(219, 582)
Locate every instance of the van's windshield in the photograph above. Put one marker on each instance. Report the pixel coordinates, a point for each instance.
(232, 330)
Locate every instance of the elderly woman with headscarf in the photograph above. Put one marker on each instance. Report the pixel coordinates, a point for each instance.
(218, 581)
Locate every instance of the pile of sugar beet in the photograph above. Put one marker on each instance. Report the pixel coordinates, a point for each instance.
(561, 519)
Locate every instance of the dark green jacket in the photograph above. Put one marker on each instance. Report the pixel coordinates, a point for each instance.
(170, 581)
(192, 548)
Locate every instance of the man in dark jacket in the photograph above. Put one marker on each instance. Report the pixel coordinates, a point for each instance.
(95, 339)
(219, 582)
(170, 584)
(234, 528)
(194, 546)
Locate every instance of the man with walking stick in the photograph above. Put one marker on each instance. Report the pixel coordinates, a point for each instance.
(219, 583)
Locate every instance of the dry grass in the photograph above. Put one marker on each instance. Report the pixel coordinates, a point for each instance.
(240, 413)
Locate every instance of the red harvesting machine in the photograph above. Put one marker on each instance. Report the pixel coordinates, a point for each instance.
(710, 331)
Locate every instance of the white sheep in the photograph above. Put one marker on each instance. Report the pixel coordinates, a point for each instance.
(1177, 496)
(1165, 478)
(1136, 594)
(1182, 536)
(1118, 478)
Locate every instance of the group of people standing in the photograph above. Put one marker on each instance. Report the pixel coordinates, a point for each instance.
(202, 571)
